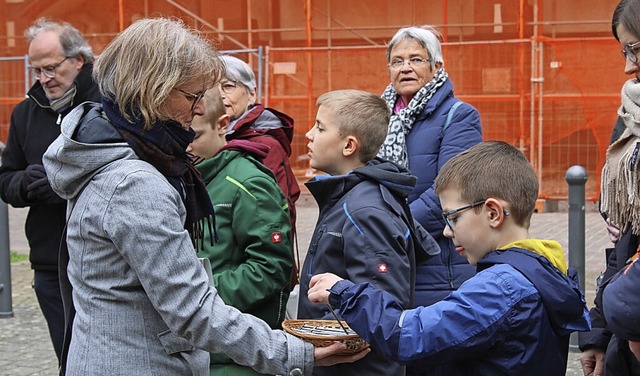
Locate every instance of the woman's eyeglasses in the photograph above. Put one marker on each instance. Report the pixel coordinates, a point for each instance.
(414, 62)
(630, 51)
(196, 98)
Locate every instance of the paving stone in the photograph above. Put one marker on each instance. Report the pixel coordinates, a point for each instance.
(26, 349)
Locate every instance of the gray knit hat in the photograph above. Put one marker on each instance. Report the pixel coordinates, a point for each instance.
(239, 71)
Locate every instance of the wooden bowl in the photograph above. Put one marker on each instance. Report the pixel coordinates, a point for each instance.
(322, 333)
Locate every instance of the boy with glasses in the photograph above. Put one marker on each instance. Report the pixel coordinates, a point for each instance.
(514, 316)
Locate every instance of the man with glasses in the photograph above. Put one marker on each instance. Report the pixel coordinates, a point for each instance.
(60, 63)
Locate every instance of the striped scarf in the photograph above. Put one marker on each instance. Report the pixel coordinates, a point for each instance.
(620, 183)
(64, 102)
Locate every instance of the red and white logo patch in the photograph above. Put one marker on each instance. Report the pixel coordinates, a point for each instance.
(276, 237)
(382, 268)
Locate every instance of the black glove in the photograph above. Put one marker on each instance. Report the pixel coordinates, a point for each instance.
(32, 173)
(38, 187)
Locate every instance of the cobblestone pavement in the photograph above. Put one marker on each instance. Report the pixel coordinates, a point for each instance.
(25, 348)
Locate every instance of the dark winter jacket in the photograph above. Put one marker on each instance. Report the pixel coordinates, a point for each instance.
(513, 317)
(429, 146)
(362, 235)
(34, 125)
(619, 360)
(621, 302)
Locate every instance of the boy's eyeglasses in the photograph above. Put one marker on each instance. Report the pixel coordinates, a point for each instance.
(48, 71)
(447, 214)
(413, 62)
(630, 51)
(228, 87)
(196, 98)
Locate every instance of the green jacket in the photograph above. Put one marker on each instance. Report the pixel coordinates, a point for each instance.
(252, 260)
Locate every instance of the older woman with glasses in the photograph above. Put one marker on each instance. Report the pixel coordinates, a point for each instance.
(428, 126)
(606, 349)
(252, 121)
(144, 304)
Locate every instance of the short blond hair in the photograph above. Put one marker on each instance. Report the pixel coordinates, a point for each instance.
(360, 114)
(141, 66)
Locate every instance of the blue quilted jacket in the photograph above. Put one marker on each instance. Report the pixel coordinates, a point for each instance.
(429, 146)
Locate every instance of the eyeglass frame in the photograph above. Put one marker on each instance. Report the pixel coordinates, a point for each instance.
(630, 51)
(191, 96)
(446, 214)
(234, 84)
(417, 61)
(36, 73)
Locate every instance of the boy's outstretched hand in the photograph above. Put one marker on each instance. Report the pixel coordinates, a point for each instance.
(319, 285)
(330, 355)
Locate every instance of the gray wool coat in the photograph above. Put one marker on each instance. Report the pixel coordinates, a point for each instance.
(144, 303)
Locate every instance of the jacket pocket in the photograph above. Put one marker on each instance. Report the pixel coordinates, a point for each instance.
(173, 343)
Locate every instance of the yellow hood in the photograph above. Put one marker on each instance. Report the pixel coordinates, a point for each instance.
(550, 249)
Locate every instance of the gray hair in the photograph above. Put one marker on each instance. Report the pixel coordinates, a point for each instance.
(71, 40)
(428, 37)
(151, 57)
(239, 71)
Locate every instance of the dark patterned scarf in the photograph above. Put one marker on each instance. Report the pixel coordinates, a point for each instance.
(164, 146)
(394, 147)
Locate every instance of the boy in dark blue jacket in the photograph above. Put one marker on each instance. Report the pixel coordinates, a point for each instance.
(365, 231)
(514, 316)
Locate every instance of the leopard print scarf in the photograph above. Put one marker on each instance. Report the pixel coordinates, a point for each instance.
(394, 147)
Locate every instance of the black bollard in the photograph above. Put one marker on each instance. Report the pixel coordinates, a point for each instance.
(5, 263)
(576, 178)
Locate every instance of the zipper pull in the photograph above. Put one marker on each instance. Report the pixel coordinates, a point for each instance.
(59, 121)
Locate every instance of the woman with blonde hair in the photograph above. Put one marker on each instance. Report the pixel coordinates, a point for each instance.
(137, 207)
